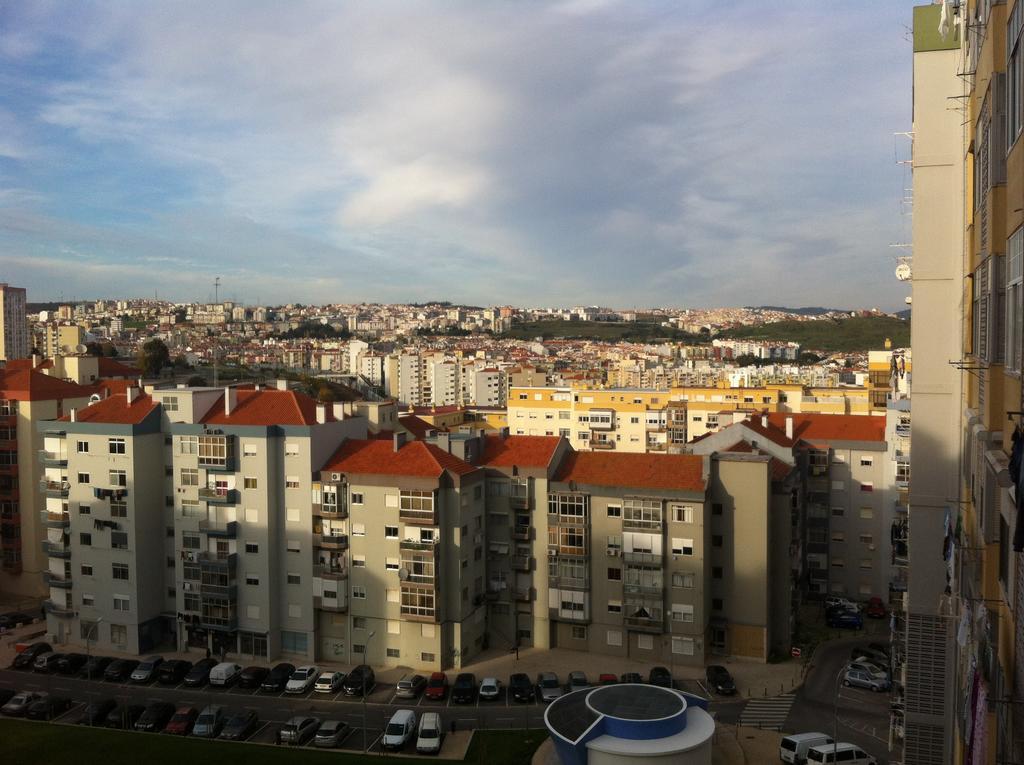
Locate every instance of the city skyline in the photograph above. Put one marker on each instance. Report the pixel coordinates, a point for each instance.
(479, 154)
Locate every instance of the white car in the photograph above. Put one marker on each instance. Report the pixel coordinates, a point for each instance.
(302, 680)
(490, 688)
(834, 601)
(329, 682)
(428, 740)
(400, 730)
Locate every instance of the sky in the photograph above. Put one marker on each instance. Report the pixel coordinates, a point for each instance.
(624, 154)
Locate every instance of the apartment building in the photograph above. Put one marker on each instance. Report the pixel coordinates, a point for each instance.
(27, 399)
(14, 334)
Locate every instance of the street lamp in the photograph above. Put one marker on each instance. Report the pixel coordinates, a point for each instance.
(366, 647)
(93, 632)
(835, 717)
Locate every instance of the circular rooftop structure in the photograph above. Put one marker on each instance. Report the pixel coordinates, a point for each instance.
(630, 723)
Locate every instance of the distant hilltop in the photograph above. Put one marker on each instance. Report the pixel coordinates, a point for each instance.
(806, 311)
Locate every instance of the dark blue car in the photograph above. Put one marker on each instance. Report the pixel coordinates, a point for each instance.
(849, 620)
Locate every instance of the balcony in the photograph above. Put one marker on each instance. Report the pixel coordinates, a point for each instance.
(412, 544)
(525, 594)
(223, 529)
(643, 558)
(331, 541)
(523, 533)
(576, 617)
(54, 520)
(642, 524)
(417, 517)
(599, 445)
(53, 459)
(337, 512)
(524, 562)
(425, 615)
(218, 496)
(116, 493)
(332, 606)
(644, 624)
(330, 572)
(57, 580)
(519, 501)
(54, 488)
(228, 592)
(55, 550)
(227, 623)
(644, 588)
(63, 610)
(218, 561)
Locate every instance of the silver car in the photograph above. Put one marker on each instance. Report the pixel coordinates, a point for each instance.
(209, 722)
(331, 733)
(548, 687)
(298, 730)
(858, 678)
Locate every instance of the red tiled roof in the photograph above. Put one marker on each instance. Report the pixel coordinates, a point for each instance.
(521, 451)
(740, 446)
(416, 426)
(681, 472)
(779, 469)
(266, 407)
(25, 384)
(832, 427)
(109, 387)
(109, 367)
(437, 409)
(771, 432)
(378, 457)
(116, 410)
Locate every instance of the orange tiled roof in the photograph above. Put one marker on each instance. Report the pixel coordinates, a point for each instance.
(22, 383)
(266, 407)
(116, 410)
(521, 451)
(417, 426)
(378, 457)
(680, 472)
(109, 367)
(832, 427)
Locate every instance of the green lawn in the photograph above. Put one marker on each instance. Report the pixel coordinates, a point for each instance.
(634, 331)
(29, 743)
(861, 333)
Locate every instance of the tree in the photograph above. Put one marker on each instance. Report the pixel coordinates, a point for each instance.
(196, 381)
(153, 356)
(809, 358)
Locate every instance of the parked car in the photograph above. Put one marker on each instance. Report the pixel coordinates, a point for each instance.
(200, 673)
(845, 620)
(719, 680)
(490, 689)
(660, 676)
(47, 662)
(95, 666)
(359, 681)
(145, 671)
(520, 688)
(19, 704)
(182, 721)
(878, 658)
(224, 674)
(240, 726)
(607, 678)
(298, 730)
(841, 752)
(860, 678)
(13, 619)
(410, 686)
(252, 677)
(209, 722)
(155, 717)
(123, 717)
(548, 687)
(632, 677)
(794, 748)
(876, 609)
(277, 677)
(329, 682)
(119, 670)
(833, 602)
(401, 728)
(47, 707)
(331, 733)
(302, 680)
(867, 666)
(464, 688)
(95, 713)
(173, 672)
(577, 682)
(429, 734)
(437, 686)
(71, 663)
(28, 655)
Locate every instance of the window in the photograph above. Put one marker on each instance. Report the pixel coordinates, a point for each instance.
(252, 547)
(615, 574)
(682, 513)
(645, 642)
(88, 600)
(358, 529)
(119, 571)
(119, 634)
(118, 478)
(614, 637)
(579, 632)
(189, 477)
(684, 579)
(249, 450)
(293, 546)
(838, 536)
(1014, 320)
(682, 645)
(394, 627)
(294, 579)
(292, 515)
(392, 596)
(291, 449)
(83, 478)
(294, 642)
(838, 512)
(250, 482)
(682, 546)
(82, 447)
(867, 461)
(291, 482)
(85, 539)
(170, 403)
(682, 612)
(716, 508)
(391, 532)
(119, 540)
(86, 569)
(84, 510)
(359, 592)
(116, 445)
(252, 515)
(122, 603)
(118, 509)
(866, 563)
(392, 653)
(614, 511)
(359, 561)
(190, 508)
(357, 498)
(615, 606)
(838, 562)
(391, 564)
(867, 513)
(867, 539)
(252, 580)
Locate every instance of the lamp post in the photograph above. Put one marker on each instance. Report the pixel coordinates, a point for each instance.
(835, 716)
(93, 633)
(366, 648)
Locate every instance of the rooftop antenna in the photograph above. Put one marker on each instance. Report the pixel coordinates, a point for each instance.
(216, 289)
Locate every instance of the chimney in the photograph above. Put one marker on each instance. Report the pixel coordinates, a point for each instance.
(230, 399)
(764, 420)
(789, 428)
(281, 384)
(399, 439)
(503, 433)
(130, 394)
(36, 359)
(321, 414)
(338, 410)
(444, 441)
(74, 414)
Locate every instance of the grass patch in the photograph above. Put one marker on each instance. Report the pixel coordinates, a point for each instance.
(634, 331)
(861, 333)
(30, 743)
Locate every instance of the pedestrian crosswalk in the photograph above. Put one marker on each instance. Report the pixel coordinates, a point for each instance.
(767, 713)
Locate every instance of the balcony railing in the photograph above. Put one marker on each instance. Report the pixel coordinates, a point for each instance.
(218, 496)
(576, 617)
(54, 488)
(644, 558)
(53, 459)
(331, 541)
(215, 560)
(523, 562)
(330, 572)
(330, 511)
(418, 517)
(519, 501)
(333, 606)
(644, 624)
(228, 592)
(641, 524)
(644, 588)
(413, 544)
(220, 623)
(58, 609)
(225, 529)
(55, 550)
(56, 580)
(55, 520)
(600, 445)
(525, 594)
(522, 532)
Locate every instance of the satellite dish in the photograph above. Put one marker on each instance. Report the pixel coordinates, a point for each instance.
(403, 574)
(80, 348)
(903, 271)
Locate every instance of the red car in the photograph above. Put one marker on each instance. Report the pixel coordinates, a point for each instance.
(182, 721)
(437, 686)
(875, 609)
(607, 679)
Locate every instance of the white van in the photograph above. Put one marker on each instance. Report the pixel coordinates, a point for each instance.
(794, 748)
(428, 739)
(225, 673)
(400, 729)
(849, 754)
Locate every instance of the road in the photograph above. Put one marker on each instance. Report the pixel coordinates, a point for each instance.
(862, 716)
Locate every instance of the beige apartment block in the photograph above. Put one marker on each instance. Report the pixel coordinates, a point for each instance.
(15, 342)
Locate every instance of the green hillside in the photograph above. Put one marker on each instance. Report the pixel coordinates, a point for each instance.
(632, 331)
(839, 335)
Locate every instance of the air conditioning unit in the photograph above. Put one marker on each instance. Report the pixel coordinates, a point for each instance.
(335, 476)
(552, 553)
